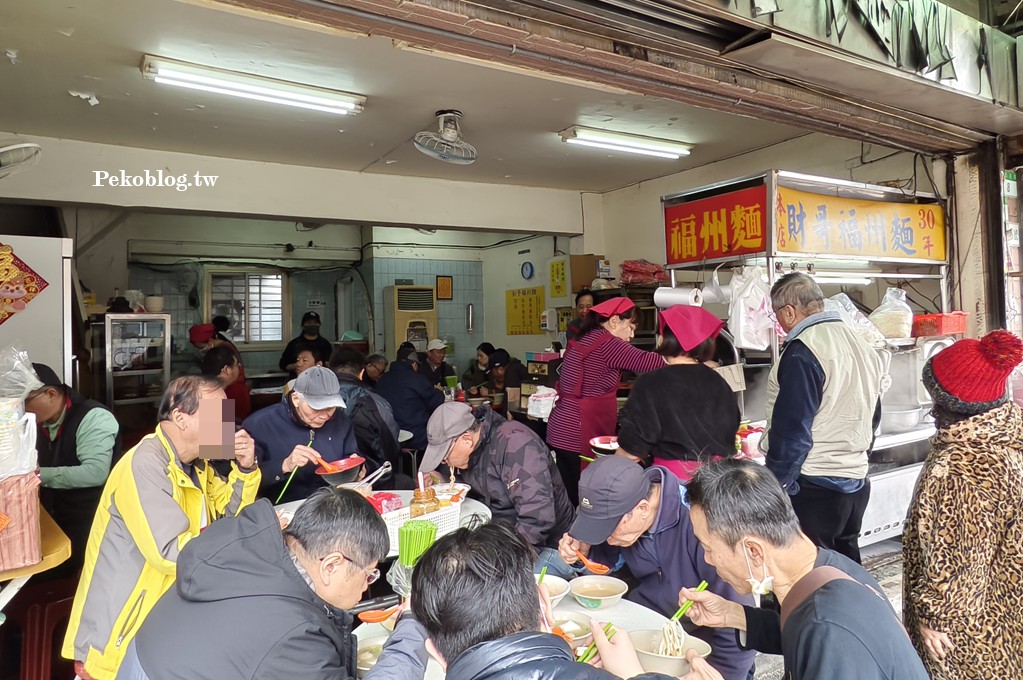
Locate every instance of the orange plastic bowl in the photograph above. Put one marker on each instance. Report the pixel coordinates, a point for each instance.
(345, 470)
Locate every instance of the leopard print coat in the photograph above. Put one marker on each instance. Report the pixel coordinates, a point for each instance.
(963, 547)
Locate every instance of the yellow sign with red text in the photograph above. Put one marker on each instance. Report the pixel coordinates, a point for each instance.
(815, 223)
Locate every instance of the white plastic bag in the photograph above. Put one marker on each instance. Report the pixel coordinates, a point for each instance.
(749, 313)
(894, 316)
(17, 428)
(542, 402)
(856, 319)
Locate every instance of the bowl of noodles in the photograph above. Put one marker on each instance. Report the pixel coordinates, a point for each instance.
(664, 651)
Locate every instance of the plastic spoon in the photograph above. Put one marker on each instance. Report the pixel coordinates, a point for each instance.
(595, 567)
(378, 615)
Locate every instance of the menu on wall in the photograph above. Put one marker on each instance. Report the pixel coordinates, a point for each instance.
(559, 277)
(522, 309)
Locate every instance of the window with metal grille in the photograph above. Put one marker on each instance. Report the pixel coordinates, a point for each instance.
(253, 301)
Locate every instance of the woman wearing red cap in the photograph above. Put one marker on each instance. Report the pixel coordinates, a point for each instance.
(206, 336)
(684, 414)
(587, 405)
(963, 544)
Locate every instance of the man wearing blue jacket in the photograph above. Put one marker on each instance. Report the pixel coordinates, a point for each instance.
(823, 404)
(294, 433)
(411, 396)
(636, 518)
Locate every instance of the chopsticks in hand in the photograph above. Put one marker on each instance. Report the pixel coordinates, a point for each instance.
(591, 649)
(312, 436)
(688, 603)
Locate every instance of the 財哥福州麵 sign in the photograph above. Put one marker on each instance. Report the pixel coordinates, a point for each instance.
(729, 224)
(814, 223)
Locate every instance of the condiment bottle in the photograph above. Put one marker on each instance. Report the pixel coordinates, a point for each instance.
(423, 502)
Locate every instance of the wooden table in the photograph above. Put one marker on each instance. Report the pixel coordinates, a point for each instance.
(56, 549)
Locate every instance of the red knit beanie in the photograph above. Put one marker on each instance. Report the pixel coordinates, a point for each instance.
(970, 376)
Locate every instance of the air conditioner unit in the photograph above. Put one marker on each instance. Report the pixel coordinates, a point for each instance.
(410, 315)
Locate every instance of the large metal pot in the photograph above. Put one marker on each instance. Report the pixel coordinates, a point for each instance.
(899, 418)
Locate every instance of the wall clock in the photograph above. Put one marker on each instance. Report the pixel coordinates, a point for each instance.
(527, 270)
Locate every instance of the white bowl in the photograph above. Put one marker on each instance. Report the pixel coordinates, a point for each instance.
(581, 638)
(153, 304)
(647, 642)
(373, 644)
(557, 587)
(443, 490)
(598, 592)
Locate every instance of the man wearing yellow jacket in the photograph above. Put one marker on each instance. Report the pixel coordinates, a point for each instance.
(158, 497)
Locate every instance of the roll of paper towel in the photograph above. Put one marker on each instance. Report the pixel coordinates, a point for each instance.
(683, 295)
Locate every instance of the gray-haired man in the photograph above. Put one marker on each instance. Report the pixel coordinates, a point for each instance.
(823, 403)
(835, 622)
(252, 601)
(507, 465)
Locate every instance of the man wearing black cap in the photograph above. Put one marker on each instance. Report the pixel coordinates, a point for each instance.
(638, 518)
(507, 465)
(311, 336)
(77, 440)
(504, 376)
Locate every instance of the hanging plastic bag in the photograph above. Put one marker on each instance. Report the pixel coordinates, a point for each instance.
(894, 316)
(856, 319)
(17, 428)
(749, 314)
(541, 403)
(714, 293)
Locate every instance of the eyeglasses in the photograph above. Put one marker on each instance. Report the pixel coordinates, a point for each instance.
(372, 575)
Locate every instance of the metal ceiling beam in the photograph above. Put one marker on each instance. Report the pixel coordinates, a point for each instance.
(579, 40)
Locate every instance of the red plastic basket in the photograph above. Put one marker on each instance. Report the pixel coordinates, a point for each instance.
(928, 325)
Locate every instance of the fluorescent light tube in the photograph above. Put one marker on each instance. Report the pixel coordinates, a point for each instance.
(617, 147)
(620, 141)
(257, 88)
(842, 280)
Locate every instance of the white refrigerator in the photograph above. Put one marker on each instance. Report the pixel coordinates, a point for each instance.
(35, 299)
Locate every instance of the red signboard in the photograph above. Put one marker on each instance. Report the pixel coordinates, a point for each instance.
(727, 225)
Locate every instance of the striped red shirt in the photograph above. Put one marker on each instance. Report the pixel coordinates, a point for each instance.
(603, 373)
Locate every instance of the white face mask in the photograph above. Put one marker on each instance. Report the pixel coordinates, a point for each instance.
(758, 587)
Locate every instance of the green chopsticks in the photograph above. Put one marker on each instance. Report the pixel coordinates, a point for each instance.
(591, 649)
(312, 435)
(414, 538)
(688, 603)
(543, 572)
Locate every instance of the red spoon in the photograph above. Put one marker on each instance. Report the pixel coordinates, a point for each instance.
(595, 567)
(378, 615)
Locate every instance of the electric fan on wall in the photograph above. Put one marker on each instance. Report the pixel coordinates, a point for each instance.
(446, 144)
(16, 156)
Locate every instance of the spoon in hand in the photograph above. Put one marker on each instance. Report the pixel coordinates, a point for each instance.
(595, 567)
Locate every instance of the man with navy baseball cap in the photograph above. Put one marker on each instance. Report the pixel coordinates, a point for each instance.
(637, 518)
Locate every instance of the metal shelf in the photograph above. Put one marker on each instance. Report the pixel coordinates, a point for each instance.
(888, 441)
(138, 371)
(138, 400)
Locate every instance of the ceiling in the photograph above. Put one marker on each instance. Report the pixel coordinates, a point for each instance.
(511, 117)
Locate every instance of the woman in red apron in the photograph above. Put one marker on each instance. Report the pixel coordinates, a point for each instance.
(685, 414)
(587, 387)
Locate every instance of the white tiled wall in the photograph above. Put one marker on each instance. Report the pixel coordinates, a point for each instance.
(467, 286)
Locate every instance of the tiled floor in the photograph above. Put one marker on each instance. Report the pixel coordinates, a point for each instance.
(884, 561)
